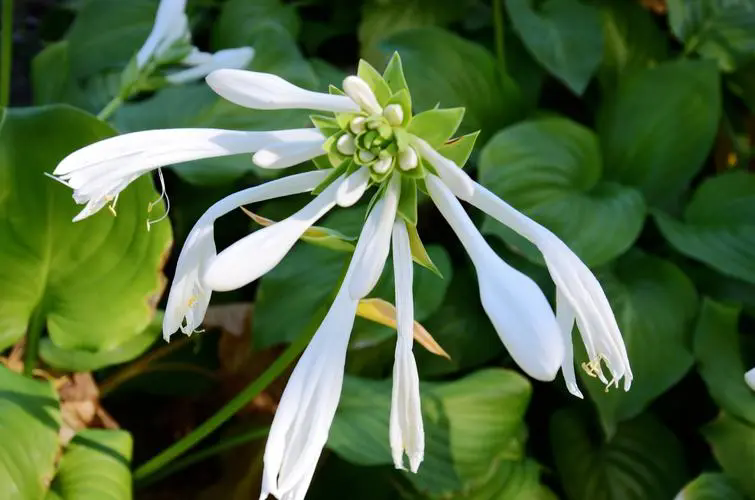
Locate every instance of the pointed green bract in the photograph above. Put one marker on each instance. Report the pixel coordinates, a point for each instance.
(419, 253)
(332, 176)
(407, 204)
(382, 91)
(436, 126)
(459, 148)
(394, 74)
(328, 125)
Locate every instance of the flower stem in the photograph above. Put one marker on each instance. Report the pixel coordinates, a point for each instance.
(226, 444)
(499, 45)
(110, 108)
(33, 334)
(6, 52)
(164, 458)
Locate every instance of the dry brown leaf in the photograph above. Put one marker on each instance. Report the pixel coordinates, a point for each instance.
(383, 312)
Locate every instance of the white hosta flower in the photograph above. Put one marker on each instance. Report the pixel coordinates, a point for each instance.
(750, 379)
(99, 172)
(515, 305)
(203, 63)
(306, 410)
(406, 429)
(171, 25)
(189, 296)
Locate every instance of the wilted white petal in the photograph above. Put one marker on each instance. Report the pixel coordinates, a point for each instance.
(369, 260)
(265, 91)
(514, 303)
(362, 94)
(451, 174)
(237, 58)
(352, 189)
(595, 319)
(288, 154)
(98, 172)
(406, 429)
(189, 296)
(750, 379)
(565, 318)
(170, 25)
(256, 254)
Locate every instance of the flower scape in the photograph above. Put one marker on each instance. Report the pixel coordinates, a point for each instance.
(365, 138)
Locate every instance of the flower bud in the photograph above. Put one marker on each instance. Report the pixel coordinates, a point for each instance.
(366, 156)
(408, 159)
(361, 93)
(357, 124)
(383, 165)
(345, 145)
(394, 114)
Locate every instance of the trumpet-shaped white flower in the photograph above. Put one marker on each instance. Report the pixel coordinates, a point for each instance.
(367, 143)
(203, 63)
(750, 379)
(171, 26)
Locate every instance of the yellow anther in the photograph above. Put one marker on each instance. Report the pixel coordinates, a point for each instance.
(192, 301)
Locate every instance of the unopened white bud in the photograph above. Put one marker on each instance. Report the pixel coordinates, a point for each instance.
(383, 165)
(362, 94)
(345, 145)
(366, 156)
(394, 114)
(408, 159)
(357, 124)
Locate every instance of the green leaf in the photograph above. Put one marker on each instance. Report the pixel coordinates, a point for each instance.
(642, 460)
(469, 424)
(94, 281)
(394, 74)
(655, 305)
(710, 486)
(459, 149)
(29, 422)
(733, 443)
(436, 126)
(658, 128)
(719, 360)
(633, 41)
(442, 68)
(565, 36)
(718, 227)
(106, 34)
(95, 466)
(419, 253)
(245, 23)
(82, 360)
(407, 205)
(550, 168)
(375, 81)
(720, 30)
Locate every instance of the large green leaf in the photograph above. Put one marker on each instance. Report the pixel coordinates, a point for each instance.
(710, 486)
(655, 305)
(721, 30)
(633, 41)
(658, 128)
(719, 360)
(550, 168)
(441, 67)
(94, 282)
(470, 426)
(718, 227)
(95, 466)
(733, 443)
(106, 34)
(29, 421)
(242, 22)
(565, 36)
(643, 460)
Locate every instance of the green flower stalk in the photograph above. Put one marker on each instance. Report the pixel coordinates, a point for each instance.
(369, 139)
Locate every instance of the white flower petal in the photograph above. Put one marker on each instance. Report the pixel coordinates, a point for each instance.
(237, 58)
(265, 91)
(750, 378)
(575, 281)
(514, 303)
(170, 15)
(189, 296)
(353, 187)
(288, 154)
(362, 94)
(256, 254)
(406, 428)
(451, 174)
(565, 318)
(369, 260)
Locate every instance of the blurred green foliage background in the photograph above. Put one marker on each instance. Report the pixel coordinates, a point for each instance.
(624, 126)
